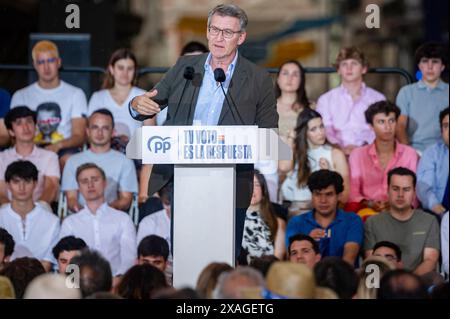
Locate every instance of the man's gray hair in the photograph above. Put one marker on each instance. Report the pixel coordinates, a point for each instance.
(229, 10)
(228, 286)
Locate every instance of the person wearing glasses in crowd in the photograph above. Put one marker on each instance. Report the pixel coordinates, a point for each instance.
(60, 106)
(249, 90)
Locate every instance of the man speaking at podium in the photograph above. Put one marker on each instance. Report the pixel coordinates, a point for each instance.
(216, 88)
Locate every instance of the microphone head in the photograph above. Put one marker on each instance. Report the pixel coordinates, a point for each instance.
(189, 73)
(219, 75)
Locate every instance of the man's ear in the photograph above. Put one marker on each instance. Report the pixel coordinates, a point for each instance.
(7, 259)
(365, 69)
(242, 37)
(11, 133)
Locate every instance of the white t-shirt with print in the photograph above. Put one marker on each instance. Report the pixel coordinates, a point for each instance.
(124, 123)
(56, 106)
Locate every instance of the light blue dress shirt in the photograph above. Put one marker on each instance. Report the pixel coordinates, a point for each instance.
(432, 175)
(211, 98)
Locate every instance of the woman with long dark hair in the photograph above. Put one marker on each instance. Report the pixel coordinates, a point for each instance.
(291, 97)
(264, 231)
(312, 152)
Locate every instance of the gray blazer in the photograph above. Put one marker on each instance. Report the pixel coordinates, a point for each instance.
(251, 89)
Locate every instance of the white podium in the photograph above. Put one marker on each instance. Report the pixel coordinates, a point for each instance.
(204, 161)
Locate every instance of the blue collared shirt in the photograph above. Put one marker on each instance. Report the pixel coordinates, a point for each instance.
(211, 98)
(422, 105)
(432, 175)
(345, 228)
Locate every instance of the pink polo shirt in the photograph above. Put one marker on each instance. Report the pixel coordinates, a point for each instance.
(367, 179)
(45, 161)
(344, 119)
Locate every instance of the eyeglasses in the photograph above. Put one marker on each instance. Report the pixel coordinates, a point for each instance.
(226, 33)
(49, 60)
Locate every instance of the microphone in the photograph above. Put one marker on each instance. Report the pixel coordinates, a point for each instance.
(188, 76)
(219, 76)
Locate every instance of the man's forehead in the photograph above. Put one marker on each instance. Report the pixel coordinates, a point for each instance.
(224, 21)
(401, 179)
(23, 118)
(302, 244)
(325, 190)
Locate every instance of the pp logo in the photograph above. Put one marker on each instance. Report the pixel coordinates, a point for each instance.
(158, 144)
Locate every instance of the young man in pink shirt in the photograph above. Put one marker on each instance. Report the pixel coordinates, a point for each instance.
(370, 164)
(343, 108)
(21, 125)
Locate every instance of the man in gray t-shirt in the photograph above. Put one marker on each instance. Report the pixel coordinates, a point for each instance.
(414, 231)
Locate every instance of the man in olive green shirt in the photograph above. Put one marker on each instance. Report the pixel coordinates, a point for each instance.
(414, 231)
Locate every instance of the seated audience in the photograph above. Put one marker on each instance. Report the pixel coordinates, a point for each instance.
(291, 98)
(390, 252)
(103, 228)
(95, 272)
(31, 225)
(369, 164)
(413, 230)
(432, 172)
(264, 231)
(304, 250)
(120, 170)
(21, 125)
(372, 269)
(141, 282)
(6, 247)
(422, 101)
(154, 250)
(240, 283)
(401, 284)
(343, 107)
(117, 91)
(339, 233)
(60, 107)
(67, 248)
(51, 286)
(312, 152)
(21, 272)
(338, 275)
(207, 280)
(287, 280)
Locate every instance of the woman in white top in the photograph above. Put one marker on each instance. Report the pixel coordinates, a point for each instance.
(312, 152)
(117, 91)
(264, 232)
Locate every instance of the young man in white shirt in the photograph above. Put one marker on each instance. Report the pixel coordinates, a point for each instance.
(60, 106)
(31, 226)
(120, 170)
(21, 125)
(103, 228)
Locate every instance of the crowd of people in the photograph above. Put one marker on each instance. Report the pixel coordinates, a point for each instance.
(367, 186)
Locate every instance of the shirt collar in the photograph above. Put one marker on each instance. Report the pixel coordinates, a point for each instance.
(32, 154)
(397, 152)
(362, 89)
(100, 211)
(16, 216)
(339, 217)
(440, 86)
(230, 67)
